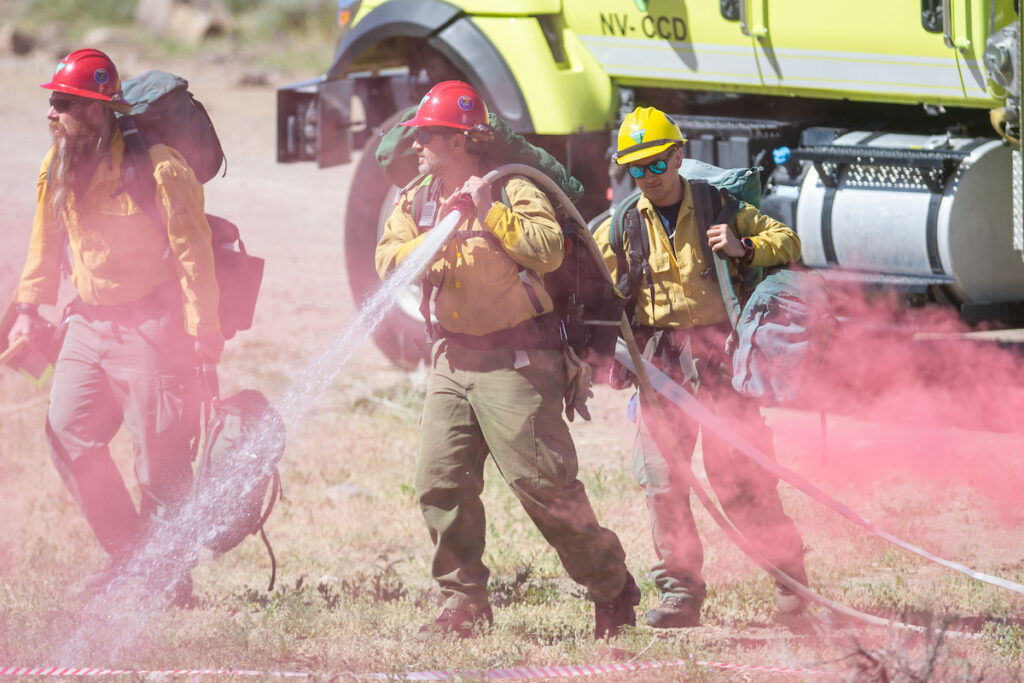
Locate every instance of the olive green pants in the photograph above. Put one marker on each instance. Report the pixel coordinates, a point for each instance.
(476, 403)
(747, 492)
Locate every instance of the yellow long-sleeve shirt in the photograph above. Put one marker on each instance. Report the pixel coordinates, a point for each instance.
(682, 298)
(479, 289)
(119, 254)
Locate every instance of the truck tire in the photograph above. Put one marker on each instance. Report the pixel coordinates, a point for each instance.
(401, 335)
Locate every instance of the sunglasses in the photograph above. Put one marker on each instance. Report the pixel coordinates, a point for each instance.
(423, 135)
(62, 105)
(657, 167)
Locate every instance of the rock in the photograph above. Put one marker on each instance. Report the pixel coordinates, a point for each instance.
(153, 15)
(253, 79)
(345, 491)
(14, 42)
(106, 37)
(189, 22)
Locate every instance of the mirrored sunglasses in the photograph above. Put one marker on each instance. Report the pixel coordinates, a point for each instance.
(657, 167)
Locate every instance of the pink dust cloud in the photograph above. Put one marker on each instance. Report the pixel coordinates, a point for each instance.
(907, 395)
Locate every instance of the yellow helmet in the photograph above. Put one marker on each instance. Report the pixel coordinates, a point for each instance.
(644, 133)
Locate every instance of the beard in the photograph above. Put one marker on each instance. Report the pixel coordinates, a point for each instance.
(75, 149)
(427, 165)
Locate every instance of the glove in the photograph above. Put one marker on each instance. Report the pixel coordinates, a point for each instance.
(578, 386)
(619, 377)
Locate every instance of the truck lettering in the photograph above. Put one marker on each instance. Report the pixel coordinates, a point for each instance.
(666, 28)
(615, 24)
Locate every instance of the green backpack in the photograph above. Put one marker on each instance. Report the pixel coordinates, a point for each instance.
(782, 318)
(164, 111)
(729, 189)
(398, 159)
(588, 306)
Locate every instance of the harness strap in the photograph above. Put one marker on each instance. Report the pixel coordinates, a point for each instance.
(433, 187)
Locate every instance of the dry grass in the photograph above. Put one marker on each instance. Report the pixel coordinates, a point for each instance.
(353, 583)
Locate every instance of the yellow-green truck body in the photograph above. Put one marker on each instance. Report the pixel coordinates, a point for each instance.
(910, 107)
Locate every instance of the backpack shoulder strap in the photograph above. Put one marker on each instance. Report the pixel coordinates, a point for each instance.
(627, 222)
(626, 207)
(632, 266)
(137, 174)
(524, 276)
(426, 189)
(705, 197)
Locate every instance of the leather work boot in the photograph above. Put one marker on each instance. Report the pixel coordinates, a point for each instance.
(461, 622)
(179, 593)
(171, 579)
(100, 580)
(675, 612)
(610, 616)
(792, 611)
(788, 603)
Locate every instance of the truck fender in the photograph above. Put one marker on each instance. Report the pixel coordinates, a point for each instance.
(448, 30)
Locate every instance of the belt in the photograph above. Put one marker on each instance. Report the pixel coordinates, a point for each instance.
(164, 298)
(542, 332)
(675, 338)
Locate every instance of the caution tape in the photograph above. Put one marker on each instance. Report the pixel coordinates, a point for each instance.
(85, 671)
(518, 673)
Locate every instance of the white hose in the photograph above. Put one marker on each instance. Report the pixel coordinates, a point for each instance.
(628, 351)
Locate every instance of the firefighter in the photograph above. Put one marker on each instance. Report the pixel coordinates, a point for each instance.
(681, 323)
(497, 372)
(145, 315)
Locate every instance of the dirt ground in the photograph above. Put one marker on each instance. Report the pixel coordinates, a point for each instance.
(292, 216)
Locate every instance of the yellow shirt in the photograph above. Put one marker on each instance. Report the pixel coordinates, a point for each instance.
(119, 254)
(477, 278)
(682, 298)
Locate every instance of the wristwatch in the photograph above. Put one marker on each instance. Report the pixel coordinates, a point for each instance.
(748, 250)
(26, 309)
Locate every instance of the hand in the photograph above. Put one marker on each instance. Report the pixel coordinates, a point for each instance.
(31, 326)
(619, 377)
(721, 238)
(208, 348)
(457, 200)
(480, 192)
(474, 190)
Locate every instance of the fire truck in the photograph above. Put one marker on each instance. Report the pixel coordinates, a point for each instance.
(887, 133)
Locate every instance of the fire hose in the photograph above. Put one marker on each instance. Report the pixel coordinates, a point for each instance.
(629, 355)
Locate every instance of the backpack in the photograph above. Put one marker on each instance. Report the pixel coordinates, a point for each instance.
(398, 159)
(730, 189)
(244, 441)
(782, 317)
(782, 336)
(164, 111)
(587, 305)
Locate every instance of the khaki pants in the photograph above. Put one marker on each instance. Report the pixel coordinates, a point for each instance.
(476, 403)
(139, 372)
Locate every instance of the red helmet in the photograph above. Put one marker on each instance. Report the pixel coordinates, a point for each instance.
(87, 73)
(452, 104)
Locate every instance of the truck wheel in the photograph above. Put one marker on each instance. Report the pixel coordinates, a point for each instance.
(402, 333)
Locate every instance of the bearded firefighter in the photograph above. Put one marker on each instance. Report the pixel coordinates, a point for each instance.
(144, 317)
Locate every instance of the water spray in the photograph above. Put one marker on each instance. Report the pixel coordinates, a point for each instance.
(171, 546)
